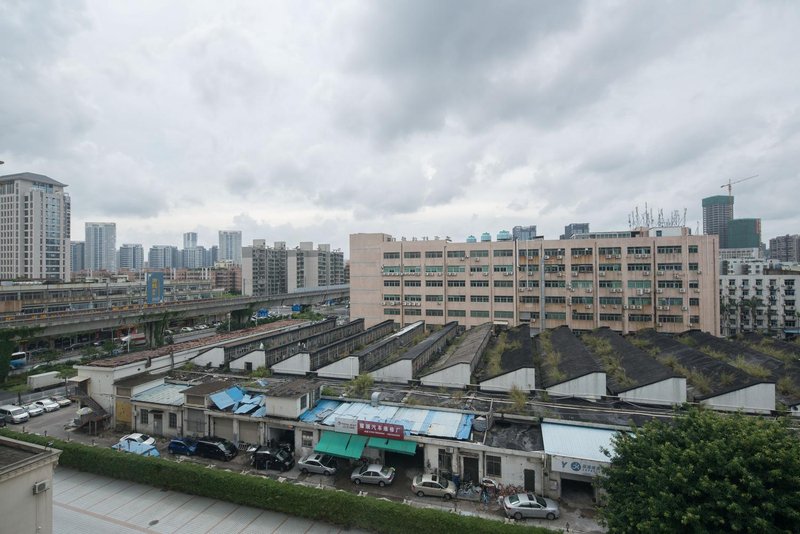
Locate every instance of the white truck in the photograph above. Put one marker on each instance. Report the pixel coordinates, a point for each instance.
(43, 380)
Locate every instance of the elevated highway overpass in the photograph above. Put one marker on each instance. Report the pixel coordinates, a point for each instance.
(75, 322)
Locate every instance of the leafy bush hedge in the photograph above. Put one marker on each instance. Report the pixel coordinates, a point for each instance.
(337, 507)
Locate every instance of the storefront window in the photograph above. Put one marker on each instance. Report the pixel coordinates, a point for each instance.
(143, 417)
(307, 438)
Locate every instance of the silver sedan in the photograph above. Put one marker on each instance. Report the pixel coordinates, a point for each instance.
(523, 505)
(322, 464)
(373, 474)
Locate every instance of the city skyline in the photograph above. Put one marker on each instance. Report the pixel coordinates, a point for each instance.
(294, 122)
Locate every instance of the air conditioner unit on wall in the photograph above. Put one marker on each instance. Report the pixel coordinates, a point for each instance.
(40, 487)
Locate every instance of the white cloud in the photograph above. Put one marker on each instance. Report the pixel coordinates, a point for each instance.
(314, 120)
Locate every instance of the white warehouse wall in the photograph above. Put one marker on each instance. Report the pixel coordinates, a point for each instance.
(524, 379)
(670, 391)
(756, 398)
(591, 386)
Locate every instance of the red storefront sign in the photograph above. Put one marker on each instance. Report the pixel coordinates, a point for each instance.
(381, 430)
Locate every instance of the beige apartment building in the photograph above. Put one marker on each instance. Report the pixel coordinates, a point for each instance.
(660, 278)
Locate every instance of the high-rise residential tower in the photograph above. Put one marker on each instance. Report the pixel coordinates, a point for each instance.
(77, 256)
(163, 257)
(785, 248)
(230, 246)
(131, 257)
(523, 233)
(717, 213)
(573, 229)
(101, 246)
(34, 228)
(189, 240)
(264, 269)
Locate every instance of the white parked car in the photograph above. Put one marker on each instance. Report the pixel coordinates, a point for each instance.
(49, 405)
(61, 400)
(187, 329)
(138, 438)
(33, 409)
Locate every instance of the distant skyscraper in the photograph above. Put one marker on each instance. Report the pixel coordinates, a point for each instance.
(524, 233)
(230, 246)
(78, 256)
(131, 257)
(189, 240)
(211, 256)
(101, 246)
(194, 257)
(785, 248)
(34, 228)
(717, 213)
(573, 229)
(163, 257)
(744, 233)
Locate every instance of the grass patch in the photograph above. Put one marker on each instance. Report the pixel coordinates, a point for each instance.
(696, 378)
(753, 369)
(495, 353)
(716, 354)
(787, 386)
(612, 362)
(550, 360)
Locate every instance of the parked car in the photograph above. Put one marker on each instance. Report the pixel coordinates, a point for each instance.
(187, 446)
(433, 485)
(216, 448)
(61, 400)
(373, 474)
(49, 405)
(168, 332)
(524, 505)
(13, 414)
(323, 464)
(33, 409)
(187, 329)
(139, 438)
(272, 458)
(134, 447)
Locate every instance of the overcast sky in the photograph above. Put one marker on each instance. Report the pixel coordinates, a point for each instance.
(308, 121)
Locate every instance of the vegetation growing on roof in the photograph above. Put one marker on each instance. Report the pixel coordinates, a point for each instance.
(550, 359)
(766, 346)
(360, 386)
(716, 354)
(519, 399)
(787, 386)
(753, 369)
(695, 377)
(494, 354)
(612, 363)
(686, 340)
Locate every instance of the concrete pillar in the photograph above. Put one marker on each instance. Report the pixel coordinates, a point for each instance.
(150, 333)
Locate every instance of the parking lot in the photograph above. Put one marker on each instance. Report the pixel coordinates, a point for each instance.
(577, 511)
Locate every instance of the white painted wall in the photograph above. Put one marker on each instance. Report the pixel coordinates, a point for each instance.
(299, 364)
(670, 391)
(346, 368)
(285, 407)
(455, 376)
(399, 371)
(523, 378)
(215, 357)
(756, 398)
(591, 386)
(256, 358)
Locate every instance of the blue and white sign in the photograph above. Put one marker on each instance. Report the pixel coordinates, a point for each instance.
(155, 288)
(263, 313)
(576, 466)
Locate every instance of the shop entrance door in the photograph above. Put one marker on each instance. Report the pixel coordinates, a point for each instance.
(470, 468)
(530, 480)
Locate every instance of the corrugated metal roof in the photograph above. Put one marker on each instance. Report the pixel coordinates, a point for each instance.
(577, 441)
(171, 394)
(415, 420)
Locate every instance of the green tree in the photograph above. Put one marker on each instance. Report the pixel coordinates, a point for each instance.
(704, 472)
(361, 385)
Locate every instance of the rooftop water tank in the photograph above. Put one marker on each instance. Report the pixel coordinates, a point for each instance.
(486, 236)
(471, 239)
(504, 235)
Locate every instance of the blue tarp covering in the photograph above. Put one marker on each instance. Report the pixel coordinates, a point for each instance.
(261, 412)
(415, 421)
(228, 398)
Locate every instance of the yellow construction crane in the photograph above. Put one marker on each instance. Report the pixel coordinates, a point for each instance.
(730, 183)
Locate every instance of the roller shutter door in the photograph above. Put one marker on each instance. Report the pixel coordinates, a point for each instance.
(223, 428)
(248, 432)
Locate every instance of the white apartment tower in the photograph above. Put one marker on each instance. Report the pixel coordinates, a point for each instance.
(308, 268)
(230, 246)
(101, 246)
(34, 228)
(189, 240)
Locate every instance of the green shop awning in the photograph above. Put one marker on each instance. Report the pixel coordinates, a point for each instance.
(393, 445)
(342, 445)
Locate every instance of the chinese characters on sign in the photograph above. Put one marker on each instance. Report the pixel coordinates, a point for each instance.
(381, 430)
(576, 466)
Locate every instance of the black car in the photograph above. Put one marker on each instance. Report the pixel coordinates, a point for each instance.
(272, 458)
(216, 449)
